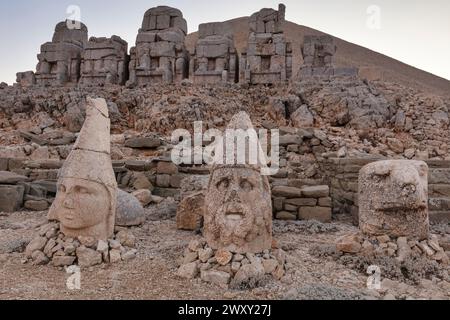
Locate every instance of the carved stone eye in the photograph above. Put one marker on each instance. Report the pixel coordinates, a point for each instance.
(62, 188)
(246, 185)
(82, 190)
(223, 184)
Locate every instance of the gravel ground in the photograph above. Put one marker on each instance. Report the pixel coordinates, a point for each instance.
(160, 245)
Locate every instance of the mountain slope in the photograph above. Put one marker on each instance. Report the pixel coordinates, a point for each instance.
(371, 63)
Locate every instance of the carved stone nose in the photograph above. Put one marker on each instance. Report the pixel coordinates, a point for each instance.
(68, 203)
(233, 196)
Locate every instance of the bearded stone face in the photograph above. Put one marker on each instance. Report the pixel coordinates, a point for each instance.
(238, 215)
(82, 207)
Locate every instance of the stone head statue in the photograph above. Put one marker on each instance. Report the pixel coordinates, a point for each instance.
(70, 31)
(393, 199)
(85, 203)
(238, 205)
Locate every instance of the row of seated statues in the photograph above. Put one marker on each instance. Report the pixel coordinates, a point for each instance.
(160, 54)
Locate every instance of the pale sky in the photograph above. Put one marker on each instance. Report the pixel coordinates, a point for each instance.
(416, 32)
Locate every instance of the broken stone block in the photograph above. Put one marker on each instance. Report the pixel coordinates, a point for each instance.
(26, 79)
(166, 168)
(287, 216)
(188, 271)
(393, 199)
(190, 212)
(248, 276)
(219, 278)
(349, 243)
(316, 191)
(11, 197)
(37, 244)
(320, 214)
(36, 205)
(7, 177)
(145, 142)
(88, 257)
(287, 192)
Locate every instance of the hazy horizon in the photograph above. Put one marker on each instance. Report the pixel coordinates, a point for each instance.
(415, 32)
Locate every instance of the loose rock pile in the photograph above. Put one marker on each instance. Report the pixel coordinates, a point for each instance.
(400, 258)
(53, 247)
(229, 270)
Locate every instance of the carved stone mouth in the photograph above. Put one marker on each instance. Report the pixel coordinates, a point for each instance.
(234, 215)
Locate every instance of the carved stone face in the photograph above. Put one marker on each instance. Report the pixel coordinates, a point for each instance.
(393, 198)
(238, 215)
(82, 207)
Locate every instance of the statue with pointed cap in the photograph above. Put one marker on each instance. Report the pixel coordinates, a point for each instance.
(85, 203)
(238, 205)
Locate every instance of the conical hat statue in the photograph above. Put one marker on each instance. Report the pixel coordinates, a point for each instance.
(86, 200)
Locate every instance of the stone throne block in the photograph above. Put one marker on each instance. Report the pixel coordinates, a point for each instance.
(215, 58)
(268, 57)
(60, 59)
(319, 58)
(160, 54)
(105, 61)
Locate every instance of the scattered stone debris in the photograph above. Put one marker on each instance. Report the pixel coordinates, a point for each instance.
(231, 270)
(303, 227)
(404, 259)
(51, 246)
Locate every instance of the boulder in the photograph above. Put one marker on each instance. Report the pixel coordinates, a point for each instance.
(249, 276)
(144, 196)
(302, 118)
(219, 278)
(349, 243)
(129, 211)
(88, 257)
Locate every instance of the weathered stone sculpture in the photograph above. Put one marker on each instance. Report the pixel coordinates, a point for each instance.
(318, 58)
(86, 200)
(215, 58)
(393, 199)
(268, 59)
(160, 54)
(105, 61)
(238, 206)
(60, 60)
